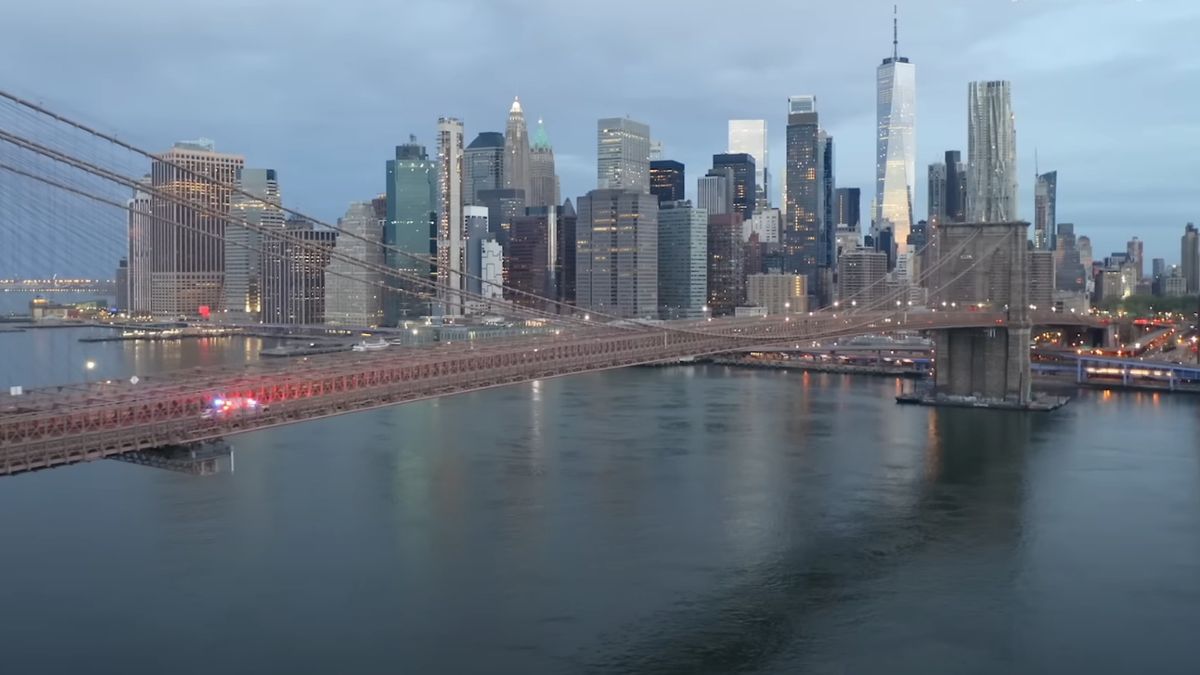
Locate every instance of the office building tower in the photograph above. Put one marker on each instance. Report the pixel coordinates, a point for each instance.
(1190, 258)
(516, 150)
(122, 283)
(745, 191)
(937, 193)
(1134, 253)
(726, 278)
(622, 155)
(802, 104)
(765, 224)
(476, 230)
(715, 191)
(955, 195)
(543, 181)
(180, 260)
(293, 271)
(753, 254)
(1045, 198)
(847, 238)
(860, 278)
(1069, 272)
(503, 206)
(1173, 286)
(778, 293)
(802, 235)
(828, 215)
(492, 262)
(1041, 279)
(564, 273)
(483, 165)
(682, 260)
(617, 255)
(895, 144)
(750, 137)
(1084, 244)
(1158, 267)
(846, 207)
(409, 230)
(254, 207)
(991, 154)
(530, 257)
(354, 294)
(656, 150)
(451, 257)
(141, 251)
(667, 180)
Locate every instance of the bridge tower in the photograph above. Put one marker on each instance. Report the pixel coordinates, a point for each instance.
(988, 271)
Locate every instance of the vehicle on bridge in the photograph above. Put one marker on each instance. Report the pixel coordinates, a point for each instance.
(221, 407)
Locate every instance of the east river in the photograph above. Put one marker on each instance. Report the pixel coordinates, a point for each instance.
(676, 520)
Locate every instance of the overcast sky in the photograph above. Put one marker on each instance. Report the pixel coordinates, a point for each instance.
(323, 90)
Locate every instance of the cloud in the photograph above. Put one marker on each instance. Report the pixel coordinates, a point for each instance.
(321, 91)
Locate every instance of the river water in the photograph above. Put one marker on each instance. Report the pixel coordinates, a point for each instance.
(677, 520)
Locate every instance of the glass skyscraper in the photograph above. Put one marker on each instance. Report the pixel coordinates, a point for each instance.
(991, 153)
(750, 137)
(622, 155)
(411, 203)
(682, 260)
(895, 145)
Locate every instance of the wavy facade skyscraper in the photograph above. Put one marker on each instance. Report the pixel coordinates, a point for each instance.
(896, 145)
(991, 153)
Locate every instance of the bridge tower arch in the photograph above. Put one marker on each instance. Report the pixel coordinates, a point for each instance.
(988, 272)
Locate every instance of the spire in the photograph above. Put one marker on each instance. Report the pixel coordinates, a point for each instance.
(516, 106)
(895, 33)
(540, 140)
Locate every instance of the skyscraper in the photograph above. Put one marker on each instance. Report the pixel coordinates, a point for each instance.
(141, 251)
(991, 153)
(828, 219)
(622, 155)
(259, 208)
(895, 144)
(451, 256)
(802, 232)
(293, 273)
(1135, 254)
(543, 181)
(475, 231)
(715, 191)
(483, 165)
(750, 137)
(353, 296)
(956, 188)
(682, 260)
(847, 207)
(516, 150)
(1190, 258)
(937, 193)
(617, 256)
(530, 255)
(564, 273)
(726, 276)
(1045, 197)
(408, 231)
(745, 191)
(667, 180)
(183, 250)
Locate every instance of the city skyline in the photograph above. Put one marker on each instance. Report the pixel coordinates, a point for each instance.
(339, 163)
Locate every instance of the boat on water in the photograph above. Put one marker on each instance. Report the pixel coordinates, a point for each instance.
(365, 346)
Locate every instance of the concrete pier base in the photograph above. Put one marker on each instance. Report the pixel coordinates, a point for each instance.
(984, 363)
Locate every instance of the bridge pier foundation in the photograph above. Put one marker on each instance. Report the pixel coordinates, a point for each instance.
(990, 364)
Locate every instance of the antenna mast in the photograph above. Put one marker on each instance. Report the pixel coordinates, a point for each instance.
(895, 33)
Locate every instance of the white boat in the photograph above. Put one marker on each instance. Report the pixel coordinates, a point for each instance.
(365, 346)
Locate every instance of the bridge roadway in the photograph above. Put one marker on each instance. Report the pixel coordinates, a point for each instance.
(77, 423)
